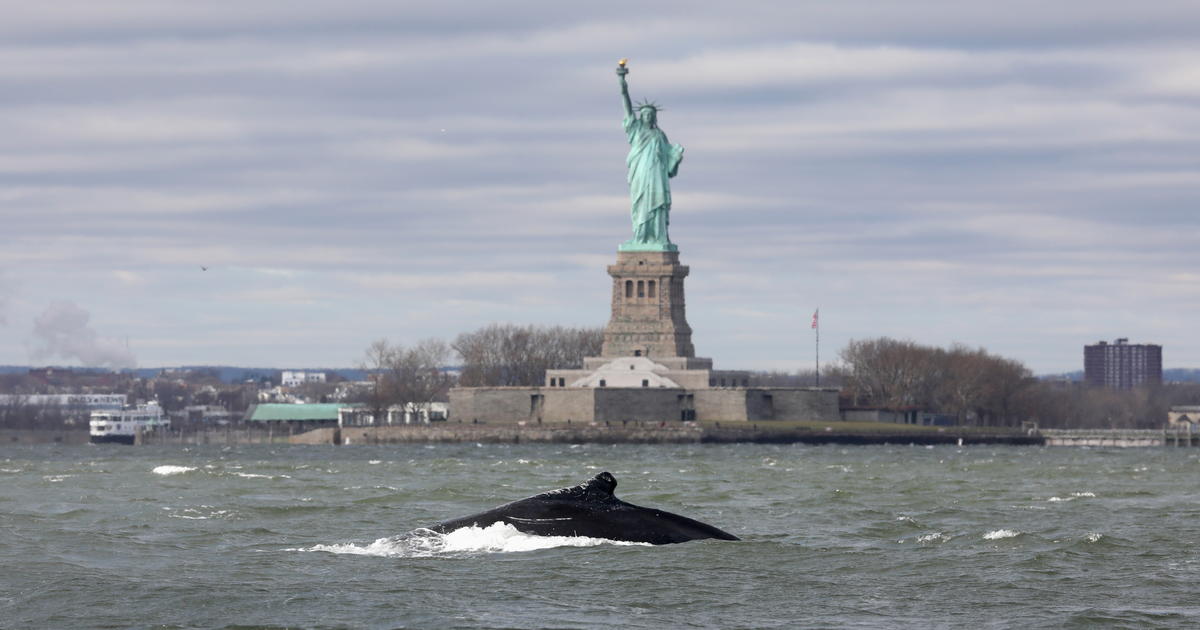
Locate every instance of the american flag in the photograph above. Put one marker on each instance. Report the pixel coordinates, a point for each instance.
(815, 313)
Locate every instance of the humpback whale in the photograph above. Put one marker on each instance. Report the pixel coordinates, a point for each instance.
(590, 509)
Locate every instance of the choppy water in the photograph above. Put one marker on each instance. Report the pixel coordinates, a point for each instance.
(847, 537)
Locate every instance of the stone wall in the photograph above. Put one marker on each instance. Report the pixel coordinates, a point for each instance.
(805, 403)
(722, 405)
(452, 432)
(574, 404)
(652, 404)
(620, 404)
(41, 436)
(492, 404)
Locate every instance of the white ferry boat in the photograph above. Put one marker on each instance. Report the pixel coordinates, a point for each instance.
(122, 425)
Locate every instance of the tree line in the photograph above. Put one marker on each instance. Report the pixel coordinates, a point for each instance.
(494, 355)
(970, 384)
(979, 388)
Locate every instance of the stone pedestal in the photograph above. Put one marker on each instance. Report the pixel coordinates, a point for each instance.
(648, 318)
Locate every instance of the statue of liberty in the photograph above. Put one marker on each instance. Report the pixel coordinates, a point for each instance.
(652, 162)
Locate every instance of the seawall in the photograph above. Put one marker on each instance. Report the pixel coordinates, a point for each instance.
(648, 433)
(43, 436)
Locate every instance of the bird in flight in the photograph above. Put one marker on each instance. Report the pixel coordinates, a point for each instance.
(203, 268)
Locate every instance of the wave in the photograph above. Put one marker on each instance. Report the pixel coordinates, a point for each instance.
(258, 476)
(495, 538)
(168, 469)
(56, 478)
(202, 513)
(1001, 533)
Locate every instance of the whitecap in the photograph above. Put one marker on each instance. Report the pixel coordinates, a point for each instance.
(375, 462)
(1093, 537)
(495, 538)
(1083, 494)
(1000, 533)
(168, 469)
(11, 471)
(932, 538)
(203, 514)
(257, 476)
(1060, 499)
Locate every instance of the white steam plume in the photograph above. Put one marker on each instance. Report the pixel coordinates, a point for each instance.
(63, 331)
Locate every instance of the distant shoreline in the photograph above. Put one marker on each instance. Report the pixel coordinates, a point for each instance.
(847, 433)
(647, 433)
(650, 433)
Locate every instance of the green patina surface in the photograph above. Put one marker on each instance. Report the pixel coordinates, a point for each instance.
(652, 162)
(280, 412)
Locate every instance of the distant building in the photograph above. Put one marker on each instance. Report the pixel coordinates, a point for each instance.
(296, 379)
(1183, 415)
(358, 415)
(1122, 365)
(302, 417)
(90, 402)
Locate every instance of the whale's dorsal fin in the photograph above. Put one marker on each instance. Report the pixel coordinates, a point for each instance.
(599, 488)
(604, 483)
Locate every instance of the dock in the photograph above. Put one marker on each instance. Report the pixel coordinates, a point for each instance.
(1173, 436)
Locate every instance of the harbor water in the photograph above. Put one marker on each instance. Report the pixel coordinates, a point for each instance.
(833, 537)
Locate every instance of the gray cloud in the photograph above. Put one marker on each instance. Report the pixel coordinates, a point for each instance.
(415, 170)
(6, 291)
(62, 331)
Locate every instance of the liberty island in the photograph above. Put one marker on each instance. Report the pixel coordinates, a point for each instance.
(647, 370)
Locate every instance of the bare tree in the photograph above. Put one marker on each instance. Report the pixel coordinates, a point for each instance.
(890, 373)
(377, 360)
(418, 374)
(970, 383)
(507, 354)
(406, 376)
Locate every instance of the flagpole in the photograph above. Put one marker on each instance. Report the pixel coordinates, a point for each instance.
(816, 324)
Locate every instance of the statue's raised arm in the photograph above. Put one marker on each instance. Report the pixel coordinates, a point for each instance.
(652, 162)
(621, 72)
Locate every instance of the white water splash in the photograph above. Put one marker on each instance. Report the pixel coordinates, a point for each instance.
(202, 513)
(495, 538)
(932, 538)
(258, 476)
(168, 469)
(1083, 494)
(1000, 533)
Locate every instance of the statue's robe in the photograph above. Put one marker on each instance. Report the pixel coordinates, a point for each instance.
(652, 162)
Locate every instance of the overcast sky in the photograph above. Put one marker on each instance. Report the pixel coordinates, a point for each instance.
(1021, 176)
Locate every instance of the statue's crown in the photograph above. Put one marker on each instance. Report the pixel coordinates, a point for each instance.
(651, 104)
